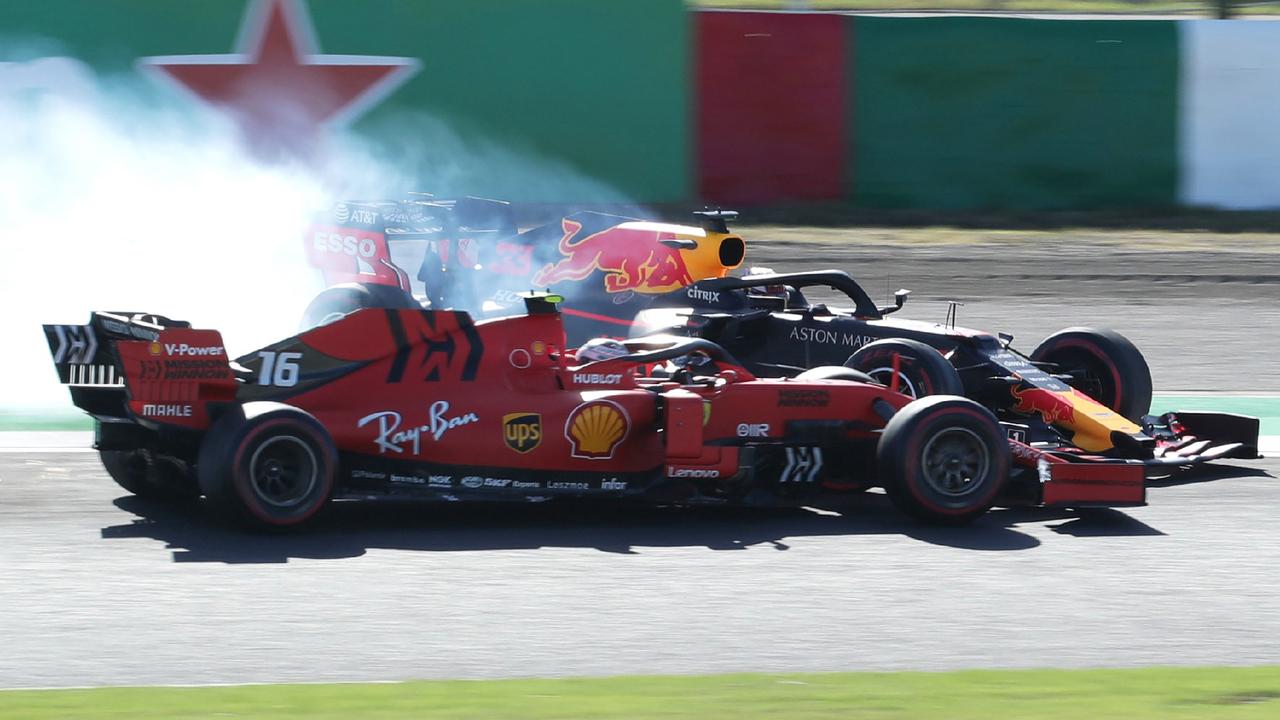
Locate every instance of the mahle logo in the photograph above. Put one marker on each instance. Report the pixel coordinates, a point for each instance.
(522, 431)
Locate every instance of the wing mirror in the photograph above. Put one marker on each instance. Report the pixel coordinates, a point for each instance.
(899, 299)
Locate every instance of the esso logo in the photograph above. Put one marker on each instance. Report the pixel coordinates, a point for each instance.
(329, 242)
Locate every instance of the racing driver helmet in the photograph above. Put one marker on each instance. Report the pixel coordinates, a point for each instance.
(597, 349)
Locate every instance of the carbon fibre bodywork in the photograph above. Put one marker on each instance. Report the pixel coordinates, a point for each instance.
(766, 321)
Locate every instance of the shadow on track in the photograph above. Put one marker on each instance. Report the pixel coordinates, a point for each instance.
(351, 529)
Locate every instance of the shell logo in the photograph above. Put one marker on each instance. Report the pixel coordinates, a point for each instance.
(596, 428)
(154, 348)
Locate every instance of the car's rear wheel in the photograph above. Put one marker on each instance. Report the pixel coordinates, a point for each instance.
(147, 476)
(1103, 364)
(908, 366)
(271, 466)
(340, 300)
(943, 459)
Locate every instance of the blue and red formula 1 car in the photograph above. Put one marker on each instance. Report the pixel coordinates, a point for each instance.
(430, 404)
(468, 254)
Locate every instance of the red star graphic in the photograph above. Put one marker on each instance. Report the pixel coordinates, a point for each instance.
(276, 86)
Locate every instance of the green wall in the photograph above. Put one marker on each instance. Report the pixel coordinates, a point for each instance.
(595, 87)
(1012, 113)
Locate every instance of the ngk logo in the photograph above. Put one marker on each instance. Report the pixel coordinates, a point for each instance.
(185, 349)
(331, 242)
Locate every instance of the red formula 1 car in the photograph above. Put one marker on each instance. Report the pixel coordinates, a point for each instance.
(411, 402)
(467, 254)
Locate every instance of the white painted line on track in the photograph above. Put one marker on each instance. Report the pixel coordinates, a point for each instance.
(46, 441)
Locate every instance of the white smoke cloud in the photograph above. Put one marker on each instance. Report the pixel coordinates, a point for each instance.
(113, 196)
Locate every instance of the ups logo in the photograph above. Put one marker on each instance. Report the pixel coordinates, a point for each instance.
(522, 431)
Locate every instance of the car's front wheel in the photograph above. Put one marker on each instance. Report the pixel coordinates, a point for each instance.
(1103, 364)
(943, 459)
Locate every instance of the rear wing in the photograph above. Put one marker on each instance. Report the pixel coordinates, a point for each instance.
(139, 367)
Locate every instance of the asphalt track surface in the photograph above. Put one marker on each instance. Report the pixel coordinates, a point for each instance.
(97, 587)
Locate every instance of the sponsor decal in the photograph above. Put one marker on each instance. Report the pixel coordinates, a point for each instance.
(440, 481)
(131, 330)
(803, 398)
(597, 378)
(830, 337)
(753, 429)
(391, 438)
(1049, 405)
(155, 348)
(596, 428)
(367, 475)
(338, 244)
(506, 297)
(166, 410)
(613, 484)
(685, 472)
(476, 482)
(711, 296)
(192, 350)
(408, 479)
(522, 431)
(538, 347)
(562, 485)
(341, 213)
(803, 465)
(525, 484)
(184, 370)
(630, 260)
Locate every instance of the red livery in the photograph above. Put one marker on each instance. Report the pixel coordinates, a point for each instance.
(430, 404)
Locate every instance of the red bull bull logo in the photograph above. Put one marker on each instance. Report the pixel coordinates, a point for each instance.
(1054, 408)
(631, 258)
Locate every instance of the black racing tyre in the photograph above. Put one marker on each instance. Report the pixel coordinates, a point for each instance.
(339, 300)
(268, 466)
(149, 477)
(943, 459)
(1104, 365)
(835, 372)
(922, 370)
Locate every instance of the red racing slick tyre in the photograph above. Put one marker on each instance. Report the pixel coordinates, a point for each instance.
(1104, 365)
(943, 459)
(340, 300)
(921, 369)
(835, 372)
(270, 467)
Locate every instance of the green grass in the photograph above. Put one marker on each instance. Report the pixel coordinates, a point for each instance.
(1127, 7)
(44, 420)
(1138, 694)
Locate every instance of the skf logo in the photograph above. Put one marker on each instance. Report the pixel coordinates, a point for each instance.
(596, 428)
(522, 431)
